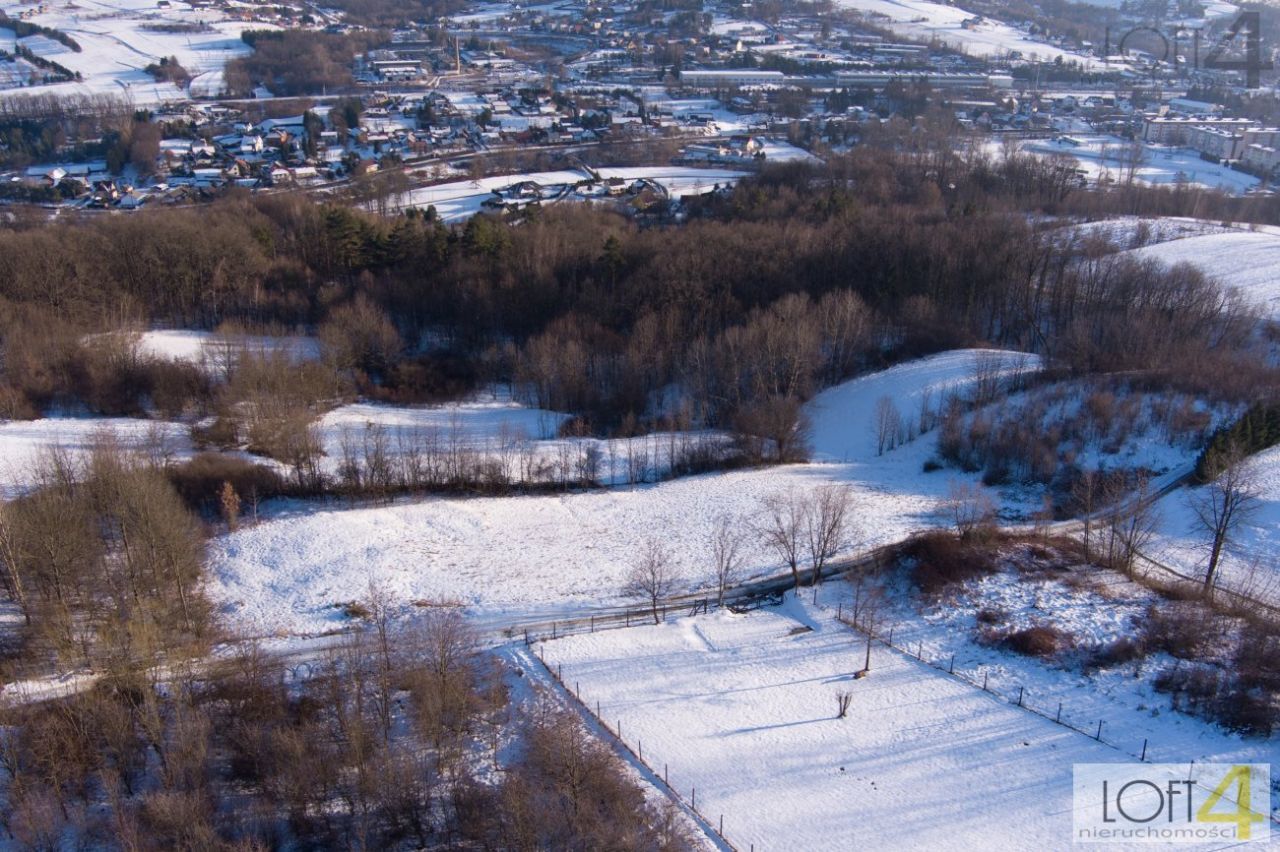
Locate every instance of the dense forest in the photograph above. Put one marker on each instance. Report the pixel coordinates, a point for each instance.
(797, 279)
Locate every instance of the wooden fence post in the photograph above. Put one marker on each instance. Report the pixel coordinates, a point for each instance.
(1020, 690)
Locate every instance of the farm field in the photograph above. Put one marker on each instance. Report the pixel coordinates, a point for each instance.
(120, 38)
(743, 708)
(574, 549)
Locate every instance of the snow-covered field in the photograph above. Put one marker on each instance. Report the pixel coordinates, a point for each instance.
(214, 348)
(926, 20)
(743, 708)
(539, 554)
(24, 442)
(1248, 260)
(459, 200)
(119, 38)
(1108, 158)
(1251, 563)
(1126, 232)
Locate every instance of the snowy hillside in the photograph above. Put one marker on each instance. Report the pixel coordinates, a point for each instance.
(844, 417)
(532, 554)
(1251, 563)
(1245, 259)
(120, 38)
(926, 20)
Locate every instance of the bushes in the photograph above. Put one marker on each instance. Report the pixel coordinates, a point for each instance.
(200, 481)
(941, 560)
(1041, 640)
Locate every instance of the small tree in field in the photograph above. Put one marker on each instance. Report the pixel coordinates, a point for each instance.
(827, 525)
(782, 528)
(653, 578)
(1225, 502)
(971, 508)
(726, 552)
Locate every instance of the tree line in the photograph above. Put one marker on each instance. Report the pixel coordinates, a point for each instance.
(797, 279)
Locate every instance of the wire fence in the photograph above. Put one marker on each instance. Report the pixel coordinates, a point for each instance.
(713, 826)
(1014, 694)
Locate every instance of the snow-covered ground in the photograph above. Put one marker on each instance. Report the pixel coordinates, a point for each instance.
(1108, 158)
(1251, 563)
(743, 708)
(529, 555)
(119, 38)
(459, 200)
(925, 20)
(213, 348)
(24, 442)
(1248, 260)
(522, 441)
(1125, 232)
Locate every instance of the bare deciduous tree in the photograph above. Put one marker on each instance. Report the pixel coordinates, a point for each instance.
(971, 507)
(782, 528)
(888, 423)
(1222, 505)
(726, 553)
(653, 578)
(827, 526)
(1131, 522)
(1084, 491)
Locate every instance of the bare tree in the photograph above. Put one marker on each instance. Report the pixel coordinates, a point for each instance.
(1132, 523)
(1223, 504)
(782, 528)
(826, 521)
(1084, 491)
(971, 507)
(726, 553)
(888, 421)
(653, 578)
